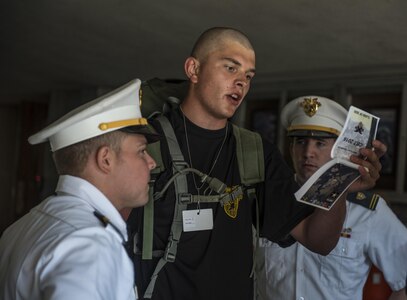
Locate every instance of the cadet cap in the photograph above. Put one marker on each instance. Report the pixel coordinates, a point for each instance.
(117, 110)
(313, 116)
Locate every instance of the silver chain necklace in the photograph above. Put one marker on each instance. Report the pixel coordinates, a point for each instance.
(189, 152)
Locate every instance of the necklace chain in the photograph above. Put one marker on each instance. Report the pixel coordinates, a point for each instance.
(189, 152)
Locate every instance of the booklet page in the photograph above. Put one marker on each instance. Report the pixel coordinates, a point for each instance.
(358, 132)
(330, 181)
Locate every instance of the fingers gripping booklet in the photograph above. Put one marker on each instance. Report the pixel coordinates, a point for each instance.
(331, 180)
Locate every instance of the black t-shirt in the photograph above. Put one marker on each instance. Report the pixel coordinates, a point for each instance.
(216, 264)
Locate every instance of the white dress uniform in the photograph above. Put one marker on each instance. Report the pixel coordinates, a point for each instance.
(61, 250)
(369, 236)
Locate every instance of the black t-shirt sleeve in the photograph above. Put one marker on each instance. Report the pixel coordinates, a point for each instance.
(280, 212)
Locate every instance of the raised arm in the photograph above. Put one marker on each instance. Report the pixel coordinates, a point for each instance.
(320, 231)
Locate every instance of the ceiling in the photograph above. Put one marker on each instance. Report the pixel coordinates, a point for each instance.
(71, 44)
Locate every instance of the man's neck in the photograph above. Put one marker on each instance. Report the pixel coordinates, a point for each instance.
(300, 182)
(197, 115)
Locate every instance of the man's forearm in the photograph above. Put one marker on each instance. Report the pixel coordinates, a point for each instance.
(320, 231)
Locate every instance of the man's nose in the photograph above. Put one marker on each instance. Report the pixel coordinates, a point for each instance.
(242, 80)
(309, 150)
(151, 162)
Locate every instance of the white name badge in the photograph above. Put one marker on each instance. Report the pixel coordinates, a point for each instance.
(197, 219)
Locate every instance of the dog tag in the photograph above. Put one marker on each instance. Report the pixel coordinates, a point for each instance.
(197, 219)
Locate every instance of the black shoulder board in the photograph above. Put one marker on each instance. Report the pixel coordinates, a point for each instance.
(367, 199)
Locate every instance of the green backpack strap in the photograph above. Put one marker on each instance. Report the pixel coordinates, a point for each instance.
(154, 150)
(250, 158)
(250, 155)
(181, 188)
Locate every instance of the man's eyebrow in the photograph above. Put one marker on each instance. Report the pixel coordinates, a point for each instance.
(232, 60)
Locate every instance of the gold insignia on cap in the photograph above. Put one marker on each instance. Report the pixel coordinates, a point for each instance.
(140, 96)
(310, 106)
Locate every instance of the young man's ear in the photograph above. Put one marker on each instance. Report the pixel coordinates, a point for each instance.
(104, 159)
(191, 67)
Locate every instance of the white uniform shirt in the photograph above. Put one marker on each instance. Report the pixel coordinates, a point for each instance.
(60, 250)
(376, 236)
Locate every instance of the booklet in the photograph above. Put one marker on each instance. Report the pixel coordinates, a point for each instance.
(330, 181)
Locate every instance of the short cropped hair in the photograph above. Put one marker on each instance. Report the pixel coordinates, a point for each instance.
(72, 160)
(214, 38)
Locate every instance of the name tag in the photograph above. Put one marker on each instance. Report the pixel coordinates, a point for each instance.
(197, 219)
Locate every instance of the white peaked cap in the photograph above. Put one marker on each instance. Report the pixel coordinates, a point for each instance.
(313, 116)
(119, 109)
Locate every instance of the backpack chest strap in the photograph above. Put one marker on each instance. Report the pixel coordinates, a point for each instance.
(230, 195)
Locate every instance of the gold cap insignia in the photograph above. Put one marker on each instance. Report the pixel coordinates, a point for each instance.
(310, 106)
(140, 96)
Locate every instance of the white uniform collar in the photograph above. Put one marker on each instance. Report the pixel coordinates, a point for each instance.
(86, 191)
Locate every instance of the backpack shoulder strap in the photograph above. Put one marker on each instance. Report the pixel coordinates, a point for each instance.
(181, 188)
(154, 149)
(250, 155)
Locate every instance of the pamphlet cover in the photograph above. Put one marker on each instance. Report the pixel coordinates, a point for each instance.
(330, 181)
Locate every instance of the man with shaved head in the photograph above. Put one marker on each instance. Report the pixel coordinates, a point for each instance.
(215, 38)
(211, 255)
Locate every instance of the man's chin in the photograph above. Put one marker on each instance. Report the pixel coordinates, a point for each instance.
(309, 171)
(302, 179)
(143, 201)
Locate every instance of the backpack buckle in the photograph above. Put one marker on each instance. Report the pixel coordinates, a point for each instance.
(179, 165)
(171, 250)
(185, 198)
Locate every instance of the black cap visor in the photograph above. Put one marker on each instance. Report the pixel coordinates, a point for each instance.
(311, 133)
(145, 130)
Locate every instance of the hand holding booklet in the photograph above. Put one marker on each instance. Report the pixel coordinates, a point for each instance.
(331, 180)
